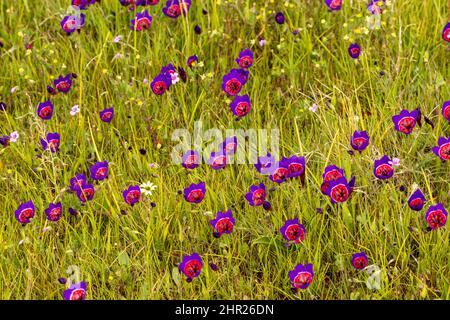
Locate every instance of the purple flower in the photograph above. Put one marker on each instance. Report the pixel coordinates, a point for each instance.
(245, 59)
(195, 192)
(229, 146)
(132, 195)
(191, 61)
(338, 190)
(233, 81)
(331, 173)
(63, 84)
(223, 223)
(76, 291)
(161, 83)
(240, 105)
(4, 141)
(334, 5)
(405, 121)
(446, 110)
(218, 160)
(54, 211)
(45, 110)
(106, 115)
(279, 18)
(77, 182)
(142, 21)
(197, 29)
(190, 159)
(302, 276)
(86, 193)
(70, 24)
(280, 172)
(51, 142)
(443, 148)
(295, 166)
(257, 195)
(266, 164)
(382, 169)
(51, 90)
(359, 260)
(359, 141)
(446, 32)
(436, 216)
(174, 8)
(416, 200)
(99, 170)
(73, 212)
(293, 231)
(191, 265)
(25, 212)
(354, 50)
(376, 6)
(2, 106)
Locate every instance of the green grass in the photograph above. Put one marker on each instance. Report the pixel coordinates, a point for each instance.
(135, 256)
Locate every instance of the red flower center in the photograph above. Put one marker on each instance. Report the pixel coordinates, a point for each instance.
(444, 151)
(295, 168)
(339, 193)
(101, 172)
(280, 174)
(245, 61)
(224, 225)
(436, 219)
(360, 263)
(159, 87)
(55, 213)
(295, 233)
(106, 115)
(384, 170)
(143, 23)
(26, 214)
(332, 175)
(78, 294)
(192, 267)
(233, 86)
(302, 279)
(133, 196)
(358, 142)
(45, 112)
(242, 109)
(63, 85)
(195, 195)
(406, 124)
(259, 196)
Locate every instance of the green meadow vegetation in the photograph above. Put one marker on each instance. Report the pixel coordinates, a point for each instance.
(133, 252)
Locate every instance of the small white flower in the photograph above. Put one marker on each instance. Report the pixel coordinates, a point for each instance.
(13, 137)
(262, 42)
(117, 39)
(153, 165)
(395, 162)
(145, 81)
(147, 188)
(21, 241)
(75, 109)
(13, 89)
(313, 108)
(175, 77)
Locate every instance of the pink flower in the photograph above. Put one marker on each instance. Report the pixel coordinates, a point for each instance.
(395, 162)
(13, 137)
(75, 109)
(117, 39)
